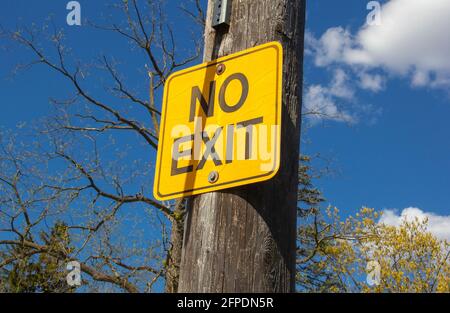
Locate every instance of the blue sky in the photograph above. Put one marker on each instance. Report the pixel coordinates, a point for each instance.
(396, 153)
(387, 142)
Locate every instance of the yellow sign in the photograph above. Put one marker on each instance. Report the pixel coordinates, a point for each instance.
(221, 124)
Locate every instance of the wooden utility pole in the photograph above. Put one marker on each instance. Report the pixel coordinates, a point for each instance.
(244, 239)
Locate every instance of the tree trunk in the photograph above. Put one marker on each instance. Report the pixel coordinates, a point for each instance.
(173, 260)
(244, 239)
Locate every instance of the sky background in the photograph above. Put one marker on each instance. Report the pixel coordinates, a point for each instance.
(384, 90)
(394, 150)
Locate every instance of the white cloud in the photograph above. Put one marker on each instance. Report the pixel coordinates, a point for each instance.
(339, 86)
(370, 82)
(438, 225)
(411, 41)
(331, 46)
(320, 102)
(337, 101)
(320, 105)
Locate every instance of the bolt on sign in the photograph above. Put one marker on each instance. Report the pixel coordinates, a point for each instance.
(221, 124)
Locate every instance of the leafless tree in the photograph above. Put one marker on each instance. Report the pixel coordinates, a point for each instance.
(88, 167)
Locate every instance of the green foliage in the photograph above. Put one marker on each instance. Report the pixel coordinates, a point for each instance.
(312, 275)
(333, 253)
(38, 272)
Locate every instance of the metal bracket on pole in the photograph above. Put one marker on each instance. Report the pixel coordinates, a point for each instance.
(221, 14)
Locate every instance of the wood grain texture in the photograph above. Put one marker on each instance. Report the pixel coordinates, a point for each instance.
(243, 239)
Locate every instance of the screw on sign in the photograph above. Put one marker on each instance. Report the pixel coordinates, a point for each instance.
(220, 69)
(220, 124)
(213, 177)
